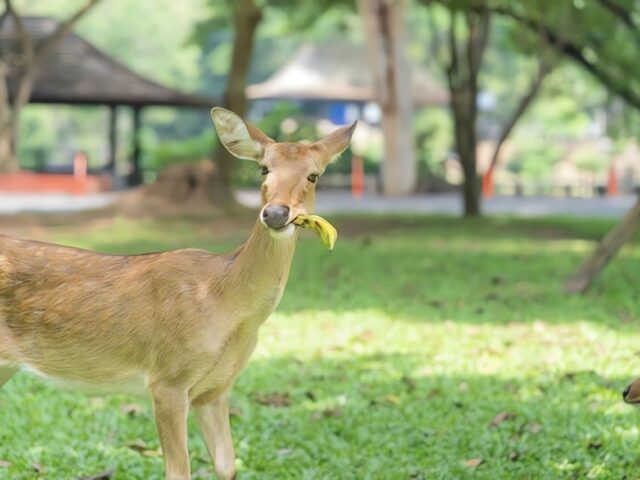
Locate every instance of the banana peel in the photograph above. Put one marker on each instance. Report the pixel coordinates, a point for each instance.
(327, 232)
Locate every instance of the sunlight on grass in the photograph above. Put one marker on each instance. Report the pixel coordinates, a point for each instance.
(411, 349)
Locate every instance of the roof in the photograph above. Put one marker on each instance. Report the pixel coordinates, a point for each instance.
(76, 72)
(338, 72)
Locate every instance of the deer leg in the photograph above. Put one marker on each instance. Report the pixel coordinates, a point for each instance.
(213, 418)
(170, 408)
(6, 373)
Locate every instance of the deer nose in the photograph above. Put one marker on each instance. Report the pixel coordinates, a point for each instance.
(625, 392)
(275, 216)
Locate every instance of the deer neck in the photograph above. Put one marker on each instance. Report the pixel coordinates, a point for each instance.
(259, 271)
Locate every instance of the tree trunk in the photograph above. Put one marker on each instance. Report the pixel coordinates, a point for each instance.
(247, 19)
(582, 279)
(26, 63)
(464, 114)
(462, 76)
(386, 39)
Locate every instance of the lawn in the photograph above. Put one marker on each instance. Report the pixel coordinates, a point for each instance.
(421, 348)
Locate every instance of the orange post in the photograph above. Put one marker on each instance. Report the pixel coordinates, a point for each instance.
(612, 184)
(80, 172)
(357, 176)
(487, 184)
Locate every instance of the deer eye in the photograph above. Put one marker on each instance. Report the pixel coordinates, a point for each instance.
(264, 170)
(313, 178)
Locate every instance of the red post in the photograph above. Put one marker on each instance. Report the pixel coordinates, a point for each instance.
(80, 172)
(612, 184)
(357, 176)
(487, 184)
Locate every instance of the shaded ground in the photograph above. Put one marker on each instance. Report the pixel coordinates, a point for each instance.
(420, 348)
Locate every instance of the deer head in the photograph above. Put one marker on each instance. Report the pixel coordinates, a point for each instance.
(290, 170)
(631, 394)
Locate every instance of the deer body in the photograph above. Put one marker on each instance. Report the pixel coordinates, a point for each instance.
(182, 323)
(105, 319)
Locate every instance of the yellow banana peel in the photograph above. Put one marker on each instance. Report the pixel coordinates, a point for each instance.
(327, 232)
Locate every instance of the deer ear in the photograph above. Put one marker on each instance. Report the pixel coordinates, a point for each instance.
(243, 140)
(337, 142)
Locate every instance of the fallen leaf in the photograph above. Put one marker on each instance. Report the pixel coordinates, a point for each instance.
(501, 417)
(137, 445)
(535, 428)
(131, 409)
(152, 453)
(142, 448)
(327, 413)
(434, 392)
(4, 464)
(332, 412)
(39, 469)
(409, 383)
(473, 462)
(274, 399)
(106, 475)
(366, 336)
(392, 399)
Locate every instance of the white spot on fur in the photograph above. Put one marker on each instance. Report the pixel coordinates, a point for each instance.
(283, 233)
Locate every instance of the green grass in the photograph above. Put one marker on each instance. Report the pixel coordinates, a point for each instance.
(395, 352)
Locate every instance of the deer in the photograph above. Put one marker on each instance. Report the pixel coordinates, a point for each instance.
(182, 324)
(631, 393)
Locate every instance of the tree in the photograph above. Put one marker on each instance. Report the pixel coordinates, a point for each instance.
(247, 17)
(603, 39)
(386, 39)
(22, 67)
(602, 36)
(459, 42)
(582, 279)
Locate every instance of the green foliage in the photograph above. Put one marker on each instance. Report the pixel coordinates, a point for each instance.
(191, 149)
(433, 139)
(600, 36)
(535, 161)
(591, 162)
(396, 351)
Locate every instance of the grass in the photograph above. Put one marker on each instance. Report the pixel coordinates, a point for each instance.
(421, 348)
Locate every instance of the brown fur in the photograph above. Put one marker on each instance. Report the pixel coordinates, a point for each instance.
(632, 392)
(184, 322)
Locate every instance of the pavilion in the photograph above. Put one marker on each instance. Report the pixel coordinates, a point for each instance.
(332, 73)
(77, 73)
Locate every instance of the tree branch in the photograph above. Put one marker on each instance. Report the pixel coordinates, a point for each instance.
(543, 70)
(63, 30)
(619, 11)
(574, 52)
(477, 41)
(452, 69)
(25, 39)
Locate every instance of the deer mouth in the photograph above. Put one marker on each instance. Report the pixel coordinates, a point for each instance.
(284, 232)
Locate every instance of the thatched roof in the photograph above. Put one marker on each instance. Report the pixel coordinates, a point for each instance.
(76, 72)
(338, 72)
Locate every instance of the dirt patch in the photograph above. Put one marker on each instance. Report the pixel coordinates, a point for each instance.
(180, 187)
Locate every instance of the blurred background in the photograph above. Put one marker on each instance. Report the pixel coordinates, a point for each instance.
(501, 98)
(465, 325)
